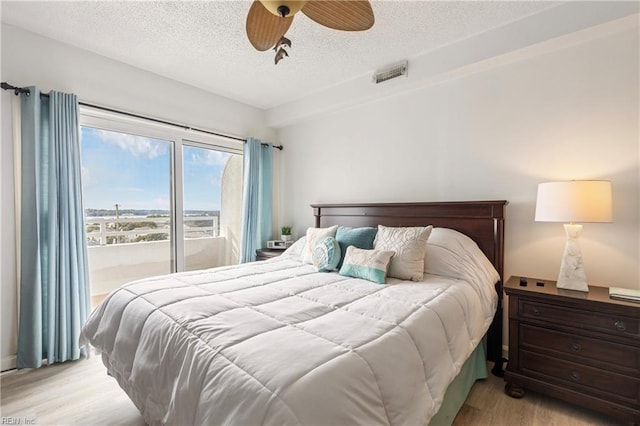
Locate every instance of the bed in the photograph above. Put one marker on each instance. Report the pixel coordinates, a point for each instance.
(276, 342)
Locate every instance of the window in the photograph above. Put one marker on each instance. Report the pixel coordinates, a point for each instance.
(157, 199)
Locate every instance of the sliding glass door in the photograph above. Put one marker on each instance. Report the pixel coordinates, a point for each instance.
(157, 200)
(212, 184)
(127, 196)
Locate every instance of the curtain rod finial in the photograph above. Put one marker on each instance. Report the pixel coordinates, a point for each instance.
(16, 90)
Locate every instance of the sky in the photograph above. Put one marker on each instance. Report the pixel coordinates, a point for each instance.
(135, 172)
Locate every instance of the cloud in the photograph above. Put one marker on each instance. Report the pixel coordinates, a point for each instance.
(216, 157)
(139, 146)
(128, 189)
(208, 157)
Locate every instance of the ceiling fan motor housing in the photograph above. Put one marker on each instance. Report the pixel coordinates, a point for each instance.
(283, 11)
(283, 8)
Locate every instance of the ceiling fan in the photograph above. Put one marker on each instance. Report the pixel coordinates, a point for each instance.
(269, 20)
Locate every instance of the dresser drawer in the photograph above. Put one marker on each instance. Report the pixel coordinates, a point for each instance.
(595, 321)
(592, 351)
(581, 347)
(586, 379)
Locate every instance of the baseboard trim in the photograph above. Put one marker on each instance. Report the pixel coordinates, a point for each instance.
(8, 363)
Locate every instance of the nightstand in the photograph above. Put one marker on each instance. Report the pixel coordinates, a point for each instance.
(583, 348)
(267, 253)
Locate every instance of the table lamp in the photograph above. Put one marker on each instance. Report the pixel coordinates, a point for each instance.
(573, 201)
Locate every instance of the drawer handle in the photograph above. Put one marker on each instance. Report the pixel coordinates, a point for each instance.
(575, 347)
(575, 376)
(536, 311)
(620, 325)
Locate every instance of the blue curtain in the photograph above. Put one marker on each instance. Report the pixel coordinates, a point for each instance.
(54, 283)
(257, 198)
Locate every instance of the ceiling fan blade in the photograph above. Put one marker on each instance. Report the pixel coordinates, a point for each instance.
(265, 29)
(345, 15)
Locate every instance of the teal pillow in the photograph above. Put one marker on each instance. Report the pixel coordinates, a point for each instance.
(359, 237)
(369, 265)
(326, 254)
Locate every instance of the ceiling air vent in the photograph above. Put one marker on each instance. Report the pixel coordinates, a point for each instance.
(393, 71)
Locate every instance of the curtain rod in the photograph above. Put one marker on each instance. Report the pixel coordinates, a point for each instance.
(23, 90)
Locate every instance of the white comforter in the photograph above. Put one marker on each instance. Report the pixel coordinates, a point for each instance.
(276, 342)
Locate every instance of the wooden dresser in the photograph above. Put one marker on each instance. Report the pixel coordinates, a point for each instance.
(581, 347)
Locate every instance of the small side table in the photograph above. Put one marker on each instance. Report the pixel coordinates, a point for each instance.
(267, 253)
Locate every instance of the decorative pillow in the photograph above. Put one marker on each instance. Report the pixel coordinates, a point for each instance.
(326, 254)
(359, 237)
(366, 264)
(410, 245)
(313, 235)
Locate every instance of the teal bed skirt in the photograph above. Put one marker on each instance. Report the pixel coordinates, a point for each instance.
(474, 368)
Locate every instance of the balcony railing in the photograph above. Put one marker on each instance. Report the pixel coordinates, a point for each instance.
(103, 231)
(118, 252)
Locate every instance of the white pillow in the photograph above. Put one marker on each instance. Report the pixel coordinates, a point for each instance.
(410, 245)
(455, 255)
(314, 235)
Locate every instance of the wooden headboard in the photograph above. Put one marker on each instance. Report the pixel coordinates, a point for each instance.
(482, 221)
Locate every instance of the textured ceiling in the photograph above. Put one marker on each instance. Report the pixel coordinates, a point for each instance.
(203, 43)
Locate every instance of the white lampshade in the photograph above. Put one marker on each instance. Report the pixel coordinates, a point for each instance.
(574, 201)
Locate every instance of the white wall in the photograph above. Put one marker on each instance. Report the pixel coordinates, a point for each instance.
(557, 113)
(28, 59)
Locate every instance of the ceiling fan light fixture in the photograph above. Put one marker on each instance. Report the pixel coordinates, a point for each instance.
(283, 8)
(269, 20)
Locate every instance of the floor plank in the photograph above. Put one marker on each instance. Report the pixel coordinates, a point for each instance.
(82, 393)
(70, 393)
(487, 404)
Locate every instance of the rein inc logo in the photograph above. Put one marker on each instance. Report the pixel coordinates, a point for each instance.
(17, 421)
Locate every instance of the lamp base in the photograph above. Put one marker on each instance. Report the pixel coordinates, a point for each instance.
(572, 275)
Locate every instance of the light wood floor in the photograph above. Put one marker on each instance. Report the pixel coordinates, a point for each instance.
(81, 393)
(487, 404)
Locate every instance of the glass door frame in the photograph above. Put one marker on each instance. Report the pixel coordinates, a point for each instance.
(178, 138)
